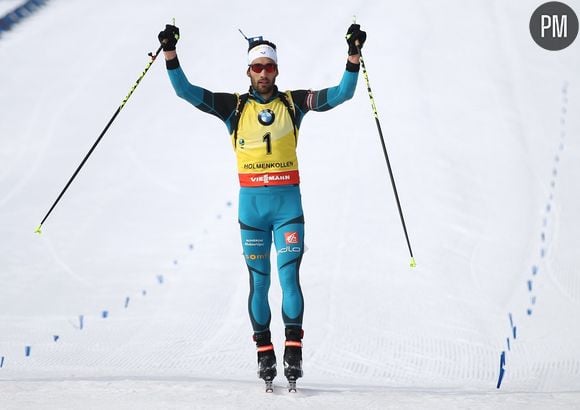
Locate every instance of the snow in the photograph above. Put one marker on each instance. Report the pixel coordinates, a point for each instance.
(482, 131)
(7, 6)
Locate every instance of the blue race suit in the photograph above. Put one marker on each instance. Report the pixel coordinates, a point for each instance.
(270, 206)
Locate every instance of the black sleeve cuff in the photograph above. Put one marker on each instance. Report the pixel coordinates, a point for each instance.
(352, 67)
(172, 64)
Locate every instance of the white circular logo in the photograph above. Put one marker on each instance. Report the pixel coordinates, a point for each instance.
(266, 117)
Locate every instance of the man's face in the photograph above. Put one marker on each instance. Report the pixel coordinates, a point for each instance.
(263, 82)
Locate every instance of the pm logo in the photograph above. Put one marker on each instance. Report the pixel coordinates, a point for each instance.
(291, 238)
(554, 26)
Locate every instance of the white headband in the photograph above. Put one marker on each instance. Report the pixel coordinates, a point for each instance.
(262, 50)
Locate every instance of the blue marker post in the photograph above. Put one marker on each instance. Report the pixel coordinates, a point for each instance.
(512, 326)
(27, 350)
(501, 369)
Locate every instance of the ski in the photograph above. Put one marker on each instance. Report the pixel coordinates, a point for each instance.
(291, 386)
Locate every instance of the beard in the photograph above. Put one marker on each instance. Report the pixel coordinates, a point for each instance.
(263, 86)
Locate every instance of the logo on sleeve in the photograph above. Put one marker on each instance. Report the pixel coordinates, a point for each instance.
(291, 238)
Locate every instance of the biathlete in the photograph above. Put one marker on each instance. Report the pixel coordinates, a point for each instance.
(264, 124)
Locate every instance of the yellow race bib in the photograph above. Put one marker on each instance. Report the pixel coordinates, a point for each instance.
(265, 145)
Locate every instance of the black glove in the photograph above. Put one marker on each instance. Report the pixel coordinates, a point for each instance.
(354, 35)
(168, 37)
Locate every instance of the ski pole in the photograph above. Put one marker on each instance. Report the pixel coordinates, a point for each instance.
(153, 57)
(376, 115)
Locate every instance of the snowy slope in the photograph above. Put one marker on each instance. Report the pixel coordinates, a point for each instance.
(138, 274)
(7, 6)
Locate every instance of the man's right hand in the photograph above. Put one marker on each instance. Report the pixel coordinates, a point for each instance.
(355, 39)
(168, 37)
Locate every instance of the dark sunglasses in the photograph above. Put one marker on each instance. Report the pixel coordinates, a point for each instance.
(258, 68)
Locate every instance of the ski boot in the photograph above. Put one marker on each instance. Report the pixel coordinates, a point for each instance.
(293, 357)
(266, 358)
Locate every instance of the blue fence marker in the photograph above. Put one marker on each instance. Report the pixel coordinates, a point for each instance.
(55, 338)
(549, 208)
(1, 362)
(105, 314)
(127, 302)
(501, 369)
(27, 350)
(81, 322)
